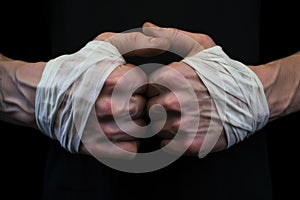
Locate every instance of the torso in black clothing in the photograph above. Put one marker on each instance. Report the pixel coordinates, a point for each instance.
(239, 172)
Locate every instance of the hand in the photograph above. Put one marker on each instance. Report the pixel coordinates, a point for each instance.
(184, 43)
(128, 44)
(19, 81)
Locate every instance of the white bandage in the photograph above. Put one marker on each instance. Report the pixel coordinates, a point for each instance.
(236, 92)
(68, 89)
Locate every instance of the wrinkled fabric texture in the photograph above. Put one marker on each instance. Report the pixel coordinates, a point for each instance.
(236, 91)
(68, 89)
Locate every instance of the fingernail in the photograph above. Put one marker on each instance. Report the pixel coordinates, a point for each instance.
(153, 26)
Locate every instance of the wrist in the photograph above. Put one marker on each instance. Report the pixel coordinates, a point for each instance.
(268, 74)
(19, 81)
(28, 76)
(280, 79)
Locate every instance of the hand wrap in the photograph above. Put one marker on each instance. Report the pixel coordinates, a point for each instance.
(68, 89)
(236, 91)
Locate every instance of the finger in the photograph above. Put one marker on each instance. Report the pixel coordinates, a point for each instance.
(169, 128)
(126, 81)
(136, 43)
(192, 145)
(173, 91)
(119, 149)
(137, 105)
(131, 146)
(197, 145)
(161, 80)
(177, 123)
(4, 58)
(167, 100)
(108, 105)
(115, 133)
(203, 39)
(106, 110)
(177, 74)
(183, 42)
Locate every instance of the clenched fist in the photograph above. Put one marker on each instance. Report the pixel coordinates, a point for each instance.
(209, 126)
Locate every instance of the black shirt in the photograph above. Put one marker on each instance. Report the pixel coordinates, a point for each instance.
(41, 30)
(239, 172)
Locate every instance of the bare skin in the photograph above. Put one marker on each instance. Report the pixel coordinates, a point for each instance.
(19, 80)
(280, 79)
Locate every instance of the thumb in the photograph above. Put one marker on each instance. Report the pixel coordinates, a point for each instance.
(136, 43)
(4, 58)
(182, 42)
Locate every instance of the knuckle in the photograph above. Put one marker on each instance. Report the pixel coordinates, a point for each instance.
(127, 77)
(111, 130)
(163, 74)
(193, 147)
(103, 107)
(173, 32)
(170, 102)
(110, 82)
(206, 40)
(136, 108)
(135, 36)
(174, 126)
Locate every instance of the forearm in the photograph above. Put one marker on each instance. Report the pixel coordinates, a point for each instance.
(281, 79)
(18, 83)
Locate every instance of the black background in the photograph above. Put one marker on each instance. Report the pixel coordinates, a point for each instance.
(24, 35)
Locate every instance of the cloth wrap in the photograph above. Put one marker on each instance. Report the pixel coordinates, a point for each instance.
(236, 91)
(68, 90)
(70, 85)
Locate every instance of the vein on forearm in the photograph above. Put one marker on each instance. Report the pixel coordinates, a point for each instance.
(281, 81)
(18, 85)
